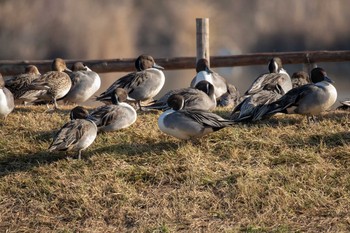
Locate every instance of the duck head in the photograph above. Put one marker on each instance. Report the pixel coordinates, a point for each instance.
(79, 112)
(144, 62)
(31, 69)
(176, 102)
(318, 75)
(59, 65)
(120, 95)
(275, 65)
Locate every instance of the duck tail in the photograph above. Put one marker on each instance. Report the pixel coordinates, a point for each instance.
(104, 98)
(157, 106)
(266, 111)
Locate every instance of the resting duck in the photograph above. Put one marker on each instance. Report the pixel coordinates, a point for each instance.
(76, 135)
(189, 124)
(52, 85)
(85, 83)
(7, 103)
(141, 85)
(278, 79)
(118, 115)
(309, 99)
(201, 97)
(18, 84)
(221, 87)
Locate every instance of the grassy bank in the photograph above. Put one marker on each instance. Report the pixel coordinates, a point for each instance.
(281, 175)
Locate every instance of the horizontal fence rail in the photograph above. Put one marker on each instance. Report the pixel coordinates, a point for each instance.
(12, 67)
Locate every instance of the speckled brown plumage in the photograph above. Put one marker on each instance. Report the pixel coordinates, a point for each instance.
(51, 85)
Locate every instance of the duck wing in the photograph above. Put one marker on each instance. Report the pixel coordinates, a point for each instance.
(69, 135)
(290, 99)
(270, 81)
(207, 119)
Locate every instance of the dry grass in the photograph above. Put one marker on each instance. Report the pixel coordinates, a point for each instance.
(278, 176)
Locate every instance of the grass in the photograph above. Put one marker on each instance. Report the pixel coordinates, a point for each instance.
(281, 175)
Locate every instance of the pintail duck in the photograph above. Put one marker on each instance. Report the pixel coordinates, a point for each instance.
(7, 103)
(345, 105)
(52, 85)
(85, 83)
(188, 124)
(309, 99)
(201, 97)
(277, 78)
(300, 78)
(141, 85)
(205, 73)
(231, 98)
(249, 106)
(19, 84)
(118, 115)
(76, 135)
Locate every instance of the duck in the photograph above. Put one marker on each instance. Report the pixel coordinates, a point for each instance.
(85, 83)
(300, 78)
(205, 73)
(18, 84)
(344, 105)
(309, 100)
(249, 106)
(7, 103)
(77, 134)
(231, 98)
(189, 124)
(141, 85)
(276, 78)
(201, 97)
(116, 116)
(52, 85)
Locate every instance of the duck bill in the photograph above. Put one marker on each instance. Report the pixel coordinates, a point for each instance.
(328, 79)
(87, 68)
(68, 70)
(157, 66)
(208, 70)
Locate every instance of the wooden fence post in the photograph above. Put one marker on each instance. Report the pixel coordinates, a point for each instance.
(202, 31)
(307, 67)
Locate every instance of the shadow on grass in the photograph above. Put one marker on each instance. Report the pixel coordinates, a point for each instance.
(37, 137)
(138, 149)
(13, 163)
(45, 136)
(148, 111)
(283, 120)
(274, 122)
(330, 140)
(26, 109)
(335, 144)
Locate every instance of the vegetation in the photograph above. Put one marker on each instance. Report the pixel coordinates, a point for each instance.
(281, 175)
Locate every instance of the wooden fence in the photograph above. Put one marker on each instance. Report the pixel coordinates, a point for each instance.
(10, 67)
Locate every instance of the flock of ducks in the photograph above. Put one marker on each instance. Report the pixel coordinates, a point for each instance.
(187, 112)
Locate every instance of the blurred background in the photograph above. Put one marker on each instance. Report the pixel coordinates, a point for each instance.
(105, 29)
